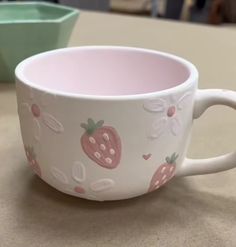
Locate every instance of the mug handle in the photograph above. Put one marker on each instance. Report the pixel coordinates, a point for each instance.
(204, 99)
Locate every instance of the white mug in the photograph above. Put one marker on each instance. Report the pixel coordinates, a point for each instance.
(110, 123)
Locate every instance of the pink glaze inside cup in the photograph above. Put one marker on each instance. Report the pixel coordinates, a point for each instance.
(105, 71)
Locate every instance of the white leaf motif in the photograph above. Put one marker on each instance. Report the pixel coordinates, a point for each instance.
(182, 100)
(24, 109)
(78, 172)
(157, 128)
(59, 175)
(92, 197)
(52, 123)
(31, 93)
(47, 98)
(175, 126)
(154, 105)
(36, 129)
(102, 185)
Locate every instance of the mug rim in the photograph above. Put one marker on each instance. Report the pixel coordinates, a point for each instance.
(193, 74)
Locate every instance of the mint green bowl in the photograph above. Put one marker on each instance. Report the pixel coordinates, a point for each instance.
(27, 28)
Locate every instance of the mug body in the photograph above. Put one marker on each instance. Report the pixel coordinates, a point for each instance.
(105, 123)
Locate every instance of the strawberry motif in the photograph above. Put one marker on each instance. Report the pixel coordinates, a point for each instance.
(101, 144)
(31, 157)
(164, 173)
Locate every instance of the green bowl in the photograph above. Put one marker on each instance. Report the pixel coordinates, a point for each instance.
(28, 28)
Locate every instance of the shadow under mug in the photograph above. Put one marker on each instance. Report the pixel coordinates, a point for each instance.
(109, 123)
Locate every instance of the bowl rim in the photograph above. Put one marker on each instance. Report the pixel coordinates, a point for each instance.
(71, 12)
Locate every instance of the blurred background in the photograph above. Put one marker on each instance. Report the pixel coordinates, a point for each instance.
(216, 12)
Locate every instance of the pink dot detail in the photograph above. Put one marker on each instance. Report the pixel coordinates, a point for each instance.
(79, 190)
(35, 110)
(171, 111)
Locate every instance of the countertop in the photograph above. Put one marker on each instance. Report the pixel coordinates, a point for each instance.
(191, 212)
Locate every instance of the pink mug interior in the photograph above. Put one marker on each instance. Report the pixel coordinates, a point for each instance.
(104, 71)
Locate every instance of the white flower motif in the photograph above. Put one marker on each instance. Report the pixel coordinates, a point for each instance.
(169, 110)
(38, 115)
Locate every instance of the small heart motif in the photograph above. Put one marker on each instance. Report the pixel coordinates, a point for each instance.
(147, 156)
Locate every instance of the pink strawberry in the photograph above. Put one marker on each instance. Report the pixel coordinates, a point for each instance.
(31, 157)
(101, 143)
(164, 173)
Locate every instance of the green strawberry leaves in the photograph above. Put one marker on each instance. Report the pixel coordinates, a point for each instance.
(84, 126)
(172, 159)
(91, 126)
(168, 160)
(91, 123)
(99, 124)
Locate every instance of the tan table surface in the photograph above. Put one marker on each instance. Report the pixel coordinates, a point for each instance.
(193, 211)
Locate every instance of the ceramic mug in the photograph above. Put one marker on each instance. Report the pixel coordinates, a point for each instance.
(109, 123)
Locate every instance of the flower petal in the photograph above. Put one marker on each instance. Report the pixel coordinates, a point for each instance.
(24, 108)
(36, 129)
(31, 93)
(157, 128)
(173, 99)
(59, 175)
(102, 185)
(182, 100)
(78, 172)
(52, 123)
(47, 99)
(175, 126)
(155, 105)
